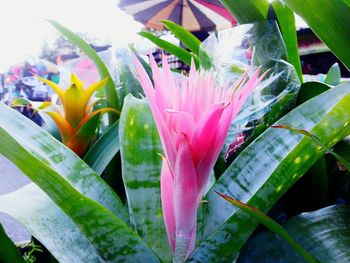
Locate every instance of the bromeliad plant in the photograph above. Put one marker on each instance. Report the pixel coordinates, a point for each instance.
(76, 215)
(77, 120)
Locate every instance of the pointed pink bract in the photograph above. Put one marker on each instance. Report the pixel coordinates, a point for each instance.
(192, 115)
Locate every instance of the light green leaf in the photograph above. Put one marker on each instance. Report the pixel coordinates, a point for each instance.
(110, 90)
(179, 52)
(46, 222)
(141, 165)
(267, 168)
(247, 11)
(8, 250)
(104, 149)
(319, 143)
(190, 41)
(325, 233)
(185, 36)
(330, 22)
(333, 75)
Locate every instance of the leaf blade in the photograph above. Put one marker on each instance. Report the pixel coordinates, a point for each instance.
(181, 53)
(330, 23)
(141, 165)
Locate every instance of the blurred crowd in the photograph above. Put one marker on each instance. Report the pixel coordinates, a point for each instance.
(20, 81)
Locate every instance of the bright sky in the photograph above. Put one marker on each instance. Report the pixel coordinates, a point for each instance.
(23, 28)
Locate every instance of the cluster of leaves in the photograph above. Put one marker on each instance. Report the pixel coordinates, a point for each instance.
(99, 209)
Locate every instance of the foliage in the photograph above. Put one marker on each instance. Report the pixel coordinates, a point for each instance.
(72, 210)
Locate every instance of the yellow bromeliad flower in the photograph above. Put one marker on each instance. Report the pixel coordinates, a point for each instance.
(77, 122)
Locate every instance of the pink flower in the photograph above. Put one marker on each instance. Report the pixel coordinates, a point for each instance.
(192, 115)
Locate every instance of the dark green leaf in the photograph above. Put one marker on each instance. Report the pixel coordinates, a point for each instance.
(286, 24)
(330, 21)
(110, 90)
(267, 168)
(179, 52)
(8, 250)
(141, 165)
(325, 233)
(247, 11)
(310, 89)
(104, 149)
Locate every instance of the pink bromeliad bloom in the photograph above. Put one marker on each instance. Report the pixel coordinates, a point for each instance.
(192, 115)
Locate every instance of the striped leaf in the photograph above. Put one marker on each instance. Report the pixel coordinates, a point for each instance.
(267, 168)
(59, 158)
(104, 149)
(141, 165)
(53, 169)
(47, 223)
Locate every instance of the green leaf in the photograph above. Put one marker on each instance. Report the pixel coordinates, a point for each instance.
(127, 82)
(330, 22)
(270, 224)
(310, 89)
(111, 237)
(190, 41)
(145, 65)
(325, 233)
(8, 250)
(104, 149)
(319, 143)
(267, 168)
(179, 52)
(247, 11)
(185, 36)
(333, 75)
(343, 148)
(141, 165)
(110, 90)
(47, 223)
(20, 102)
(59, 158)
(45, 158)
(286, 24)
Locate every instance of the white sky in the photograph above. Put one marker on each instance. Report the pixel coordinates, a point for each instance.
(23, 28)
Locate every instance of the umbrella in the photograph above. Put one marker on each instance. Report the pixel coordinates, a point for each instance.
(194, 15)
